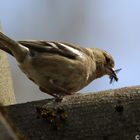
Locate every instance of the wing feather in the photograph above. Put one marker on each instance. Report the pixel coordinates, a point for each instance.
(59, 48)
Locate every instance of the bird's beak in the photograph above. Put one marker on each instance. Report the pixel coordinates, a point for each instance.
(112, 74)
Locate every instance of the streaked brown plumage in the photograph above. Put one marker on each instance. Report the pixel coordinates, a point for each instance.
(58, 68)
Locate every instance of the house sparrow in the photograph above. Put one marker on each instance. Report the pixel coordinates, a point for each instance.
(58, 68)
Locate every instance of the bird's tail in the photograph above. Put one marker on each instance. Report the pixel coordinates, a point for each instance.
(5, 49)
(12, 47)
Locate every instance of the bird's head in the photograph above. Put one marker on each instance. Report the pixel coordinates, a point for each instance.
(105, 64)
(109, 65)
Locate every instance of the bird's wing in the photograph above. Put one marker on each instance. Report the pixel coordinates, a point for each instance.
(64, 49)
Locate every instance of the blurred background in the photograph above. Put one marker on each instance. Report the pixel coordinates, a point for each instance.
(111, 25)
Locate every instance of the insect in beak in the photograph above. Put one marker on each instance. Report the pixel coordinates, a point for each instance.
(113, 76)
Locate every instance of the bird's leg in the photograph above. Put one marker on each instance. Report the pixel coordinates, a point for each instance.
(44, 90)
(61, 91)
(58, 98)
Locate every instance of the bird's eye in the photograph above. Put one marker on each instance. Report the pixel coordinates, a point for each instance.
(108, 60)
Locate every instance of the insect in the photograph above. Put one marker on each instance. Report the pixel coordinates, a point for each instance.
(112, 78)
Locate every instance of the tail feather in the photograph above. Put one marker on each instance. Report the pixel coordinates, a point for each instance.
(12, 47)
(5, 49)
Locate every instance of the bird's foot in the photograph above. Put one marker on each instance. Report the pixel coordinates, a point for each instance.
(59, 99)
(55, 116)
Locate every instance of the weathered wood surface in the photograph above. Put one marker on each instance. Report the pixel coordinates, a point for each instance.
(106, 115)
(7, 96)
(4, 134)
(7, 129)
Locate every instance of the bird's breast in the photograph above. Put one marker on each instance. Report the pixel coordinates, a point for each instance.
(69, 74)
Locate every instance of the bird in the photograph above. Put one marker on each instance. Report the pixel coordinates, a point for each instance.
(59, 69)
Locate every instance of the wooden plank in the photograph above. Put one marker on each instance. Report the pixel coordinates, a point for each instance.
(106, 115)
(7, 96)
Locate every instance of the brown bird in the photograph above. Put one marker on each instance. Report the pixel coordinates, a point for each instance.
(58, 68)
